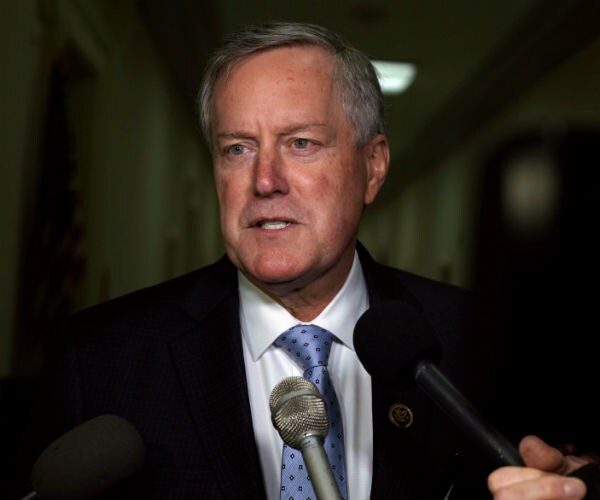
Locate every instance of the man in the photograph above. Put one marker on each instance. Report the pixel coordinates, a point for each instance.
(293, 116)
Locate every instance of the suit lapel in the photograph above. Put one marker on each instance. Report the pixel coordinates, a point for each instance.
(210, 364)
(400, 453)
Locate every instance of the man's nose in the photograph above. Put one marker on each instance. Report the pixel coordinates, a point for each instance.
(270, 173)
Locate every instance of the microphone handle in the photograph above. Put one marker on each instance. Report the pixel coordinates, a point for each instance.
(437, 386)
(319, 468)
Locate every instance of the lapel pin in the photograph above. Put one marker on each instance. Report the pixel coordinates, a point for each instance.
(400, 415)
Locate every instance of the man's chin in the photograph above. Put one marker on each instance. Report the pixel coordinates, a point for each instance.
(276, 266)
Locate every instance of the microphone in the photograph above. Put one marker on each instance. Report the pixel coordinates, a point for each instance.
(87, 460)
(397, 345)
(299, 413)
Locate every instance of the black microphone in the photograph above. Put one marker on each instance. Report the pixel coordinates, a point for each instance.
(397, 345)
(88, 460)
(299, 413)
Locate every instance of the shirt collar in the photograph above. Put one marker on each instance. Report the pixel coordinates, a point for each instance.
(263, 320)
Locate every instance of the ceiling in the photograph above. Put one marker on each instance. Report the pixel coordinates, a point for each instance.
(473, 56)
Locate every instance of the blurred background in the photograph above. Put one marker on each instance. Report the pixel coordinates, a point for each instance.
(106, 185)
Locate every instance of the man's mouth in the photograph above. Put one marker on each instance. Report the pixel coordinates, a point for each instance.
(273, 224)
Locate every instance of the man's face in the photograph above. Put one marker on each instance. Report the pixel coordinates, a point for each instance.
(290, 180)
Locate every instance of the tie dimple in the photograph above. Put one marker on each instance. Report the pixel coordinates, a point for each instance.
(309, 346)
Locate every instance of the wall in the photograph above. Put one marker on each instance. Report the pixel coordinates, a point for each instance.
(430, 228)
(143, 175)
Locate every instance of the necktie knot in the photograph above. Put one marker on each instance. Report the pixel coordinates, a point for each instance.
(307, 345)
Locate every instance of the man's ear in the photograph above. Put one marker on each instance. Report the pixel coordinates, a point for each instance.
(377, 154)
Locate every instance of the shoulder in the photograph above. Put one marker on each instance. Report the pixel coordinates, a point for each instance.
(448, 308)
(431, 296)
(161, 309)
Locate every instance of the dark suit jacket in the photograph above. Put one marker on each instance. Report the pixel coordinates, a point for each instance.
(168, 358)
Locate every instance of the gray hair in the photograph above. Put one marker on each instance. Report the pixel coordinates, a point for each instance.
(354, 74)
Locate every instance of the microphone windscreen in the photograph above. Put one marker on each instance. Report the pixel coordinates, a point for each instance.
(298, 410)
(88, 459)
(390, 338)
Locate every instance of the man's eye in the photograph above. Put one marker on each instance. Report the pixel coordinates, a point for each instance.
(236, 149)
(301, 143)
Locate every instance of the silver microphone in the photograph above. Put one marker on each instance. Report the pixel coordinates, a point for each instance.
(299, 413)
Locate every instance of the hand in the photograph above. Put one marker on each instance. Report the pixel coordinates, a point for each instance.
(542, 478)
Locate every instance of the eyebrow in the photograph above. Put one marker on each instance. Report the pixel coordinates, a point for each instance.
(240, 134)
(233, 135)
(303, 126)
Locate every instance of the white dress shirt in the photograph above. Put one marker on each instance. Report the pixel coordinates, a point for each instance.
(262, 321)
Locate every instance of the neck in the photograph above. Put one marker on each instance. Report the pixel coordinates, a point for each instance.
(305, 301)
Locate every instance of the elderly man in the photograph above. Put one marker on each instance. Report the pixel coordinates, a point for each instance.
(294, 119)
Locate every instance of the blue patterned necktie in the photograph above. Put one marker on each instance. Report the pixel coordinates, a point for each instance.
(309, 346)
